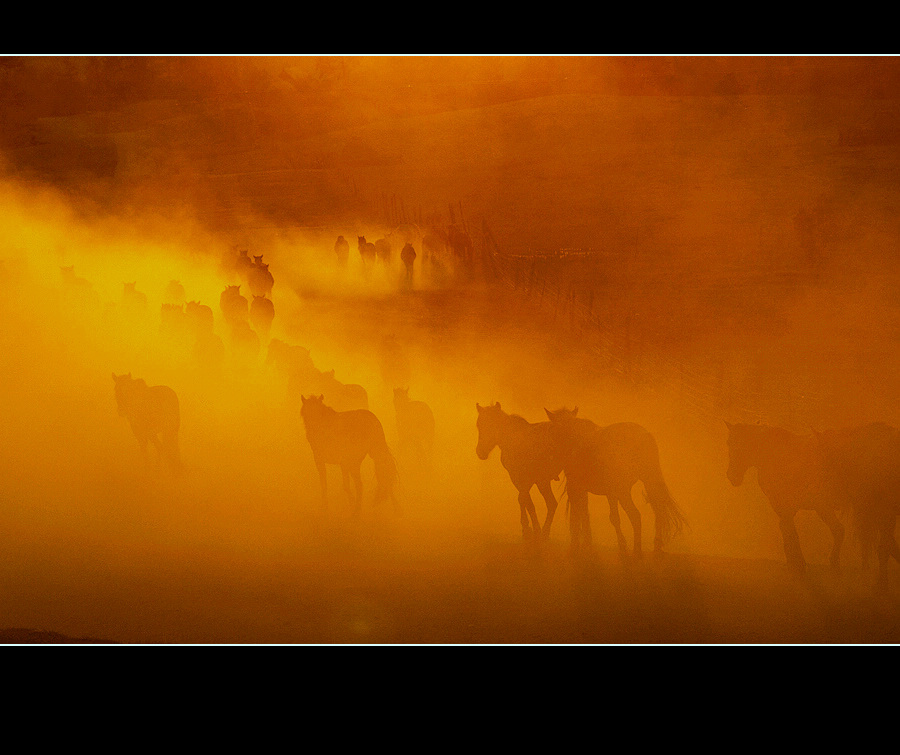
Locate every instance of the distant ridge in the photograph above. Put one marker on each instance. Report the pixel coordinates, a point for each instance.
(38, 637)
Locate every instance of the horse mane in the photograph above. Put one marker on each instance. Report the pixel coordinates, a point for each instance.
(518, 419)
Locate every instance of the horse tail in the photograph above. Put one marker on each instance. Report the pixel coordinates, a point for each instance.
(669, 519)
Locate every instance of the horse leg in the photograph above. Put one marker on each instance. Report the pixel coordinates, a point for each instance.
(791, 539)
(527, 507)
(634, 515)
(837, 532)
(617, 524)
(547, 492)
(323, 481)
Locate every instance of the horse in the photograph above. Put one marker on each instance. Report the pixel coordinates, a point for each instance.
(383, 251)
(415, 424)
(793, 478)
(529, 453)
(262, 313)
(234, 306)
(864, 462)
(342, 251)
(259, 279)
(367, 251)
(408, 256)
(609, 461)
(342, 396)
(345, 439)
(154, 415)
(174, 293)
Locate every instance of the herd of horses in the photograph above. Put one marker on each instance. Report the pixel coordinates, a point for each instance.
(851, 475)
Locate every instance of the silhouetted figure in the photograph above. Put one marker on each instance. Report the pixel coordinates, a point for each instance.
(292, 361)
(341, 396)
(199, 317)
(529, 453)
(243, 264)
(72, 281)
(154, 415)
(608, 461)
(262, 313)
(791, 475)
(408, 257)
(244, 344)
(863, 464)
(342, 251)
(234, 306)
(383, 251)
(259, 279)
(345, 439)
(367, 252)
(174, 293)
(415, 426)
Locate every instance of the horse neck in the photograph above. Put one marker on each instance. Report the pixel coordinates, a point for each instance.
(509, 428)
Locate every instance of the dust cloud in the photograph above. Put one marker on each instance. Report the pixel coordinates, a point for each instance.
(672, 242)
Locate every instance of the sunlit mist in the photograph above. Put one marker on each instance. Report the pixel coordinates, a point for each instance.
(259, 314)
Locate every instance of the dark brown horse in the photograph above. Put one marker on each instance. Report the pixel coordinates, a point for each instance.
(609, 461)
(345, 439)
(154, 415)
(792, 476)
(530, 455)
(864, 463)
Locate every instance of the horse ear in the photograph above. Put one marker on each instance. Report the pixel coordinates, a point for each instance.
(322, 397)
(479, 407)
(302, 398)
(575, 412)
(548, 412)
(114, 377)
(728, 425)
(497, 405)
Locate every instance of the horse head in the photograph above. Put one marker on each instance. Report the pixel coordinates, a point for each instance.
(561, 415)
(401, 395)
(490, 429)
(312, 407)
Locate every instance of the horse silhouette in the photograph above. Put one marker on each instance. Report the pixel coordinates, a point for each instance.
(609, 461)
(367, 251)
(383, 251)
(530, 454)
(174, 293)
(342, 396)
(234, 306)
(864, 464)
(791, 475)
(345, 439)
(244, 344)
(408, 257)
(259, 279)
(154, 415)
(262, 313)
(415, 425)
(292, 361)
(199, 317)
(342, 251)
